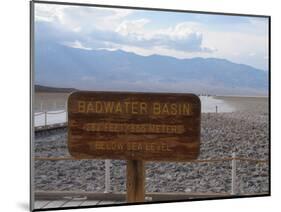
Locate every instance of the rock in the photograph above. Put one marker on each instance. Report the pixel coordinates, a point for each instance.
(222, 133)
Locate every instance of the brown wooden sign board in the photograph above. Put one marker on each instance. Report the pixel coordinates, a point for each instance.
(134, 126)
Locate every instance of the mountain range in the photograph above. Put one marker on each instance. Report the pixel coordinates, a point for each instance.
(47, 89)
(63, 66)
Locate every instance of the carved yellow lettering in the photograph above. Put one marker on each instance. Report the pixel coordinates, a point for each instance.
(90, 107)
(173, 129)
(165, 148)
(134, 107)
(156, 108)
(147, 147)
(165, 109)
(139, 147)
(152, 148)
(98, 107)
(174, 109)
(179, 109)
(126, 107)
(81, 106)
(134, 146)
(186, 109)
(120, 146)
(143, 108)
(100, 146)
(118, 108)
(108, 106)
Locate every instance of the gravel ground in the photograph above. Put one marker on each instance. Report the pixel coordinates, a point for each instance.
(244, 133)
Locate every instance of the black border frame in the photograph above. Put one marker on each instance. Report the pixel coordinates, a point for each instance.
(31, 90)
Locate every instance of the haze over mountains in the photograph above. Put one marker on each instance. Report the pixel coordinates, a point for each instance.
(62, 66)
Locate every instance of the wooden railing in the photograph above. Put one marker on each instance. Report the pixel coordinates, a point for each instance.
(233, 160)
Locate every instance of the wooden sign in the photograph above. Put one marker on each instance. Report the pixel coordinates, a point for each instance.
(134, 126)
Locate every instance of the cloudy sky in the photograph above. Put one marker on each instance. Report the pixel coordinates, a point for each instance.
(182, 35)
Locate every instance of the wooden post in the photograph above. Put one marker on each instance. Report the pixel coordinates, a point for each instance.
(135, 181)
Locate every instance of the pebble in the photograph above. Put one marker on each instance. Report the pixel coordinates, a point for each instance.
(244, 133)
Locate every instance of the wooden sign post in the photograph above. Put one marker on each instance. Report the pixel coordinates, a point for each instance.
(136, 127)
(135, 181)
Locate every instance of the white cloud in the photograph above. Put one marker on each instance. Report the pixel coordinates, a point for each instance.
(84, 18)
(181, 31)
(240, 47)
(107, 28)
(181, 37)
(131, 27)
(113, 24)
(49, 13)
(77, 44)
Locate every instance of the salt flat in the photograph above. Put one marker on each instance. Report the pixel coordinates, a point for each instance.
(250, 104)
